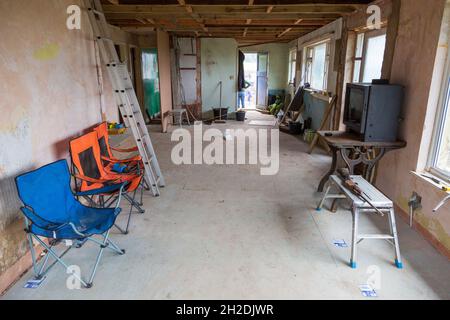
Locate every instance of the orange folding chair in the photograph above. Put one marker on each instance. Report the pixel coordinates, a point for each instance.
(131, 165)
(134, 164)
(91, 174)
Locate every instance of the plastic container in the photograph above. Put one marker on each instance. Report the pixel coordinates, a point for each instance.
(220, 113)
(240, 116)
(295, 127)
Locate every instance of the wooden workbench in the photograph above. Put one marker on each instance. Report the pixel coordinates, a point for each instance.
(355, 152)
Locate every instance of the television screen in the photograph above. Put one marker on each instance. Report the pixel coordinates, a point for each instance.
(355, 105)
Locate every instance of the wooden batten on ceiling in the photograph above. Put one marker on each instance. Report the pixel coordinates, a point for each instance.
(247, 21)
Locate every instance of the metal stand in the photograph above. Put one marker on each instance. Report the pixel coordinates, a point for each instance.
(359, 206)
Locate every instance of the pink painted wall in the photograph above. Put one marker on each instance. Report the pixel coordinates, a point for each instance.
(415, 52)
(48, 94)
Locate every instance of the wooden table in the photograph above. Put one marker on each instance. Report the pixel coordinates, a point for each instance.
(355, 152)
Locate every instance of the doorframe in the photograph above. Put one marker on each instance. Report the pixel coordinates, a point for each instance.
(266, 101)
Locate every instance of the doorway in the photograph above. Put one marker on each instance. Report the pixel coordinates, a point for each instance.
(262, 86)
(256, 74)
(251, 75)
(150, 74)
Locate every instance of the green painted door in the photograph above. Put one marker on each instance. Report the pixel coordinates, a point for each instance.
(151, 81)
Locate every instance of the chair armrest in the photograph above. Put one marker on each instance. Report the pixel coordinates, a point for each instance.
(134, 149)
(104, 190)
(93, 180)
(41, 222)
(134, 159)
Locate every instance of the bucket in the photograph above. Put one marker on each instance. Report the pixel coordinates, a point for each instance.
(220, 113)
(309, 135)
(295, 127)
(240, 116)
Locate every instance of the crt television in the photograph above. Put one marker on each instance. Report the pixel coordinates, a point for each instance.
(372, 111)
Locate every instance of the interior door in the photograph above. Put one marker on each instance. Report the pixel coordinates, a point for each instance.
(262, 88)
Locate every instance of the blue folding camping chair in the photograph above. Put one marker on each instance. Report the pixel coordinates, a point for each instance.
(52, 211)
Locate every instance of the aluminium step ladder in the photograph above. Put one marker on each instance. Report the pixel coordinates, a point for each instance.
(125, 96)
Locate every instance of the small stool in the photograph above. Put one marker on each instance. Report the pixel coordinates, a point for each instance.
(178, 113)
(379, 200)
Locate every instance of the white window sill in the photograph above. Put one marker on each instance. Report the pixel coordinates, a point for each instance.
(425, 178)
(318, 94)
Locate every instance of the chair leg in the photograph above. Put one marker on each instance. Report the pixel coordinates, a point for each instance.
(134, 203)
(355, 214)
(33, 252)
(398, 258)
(97, 261)
(58, 259)
(141, 202)
(131, 211)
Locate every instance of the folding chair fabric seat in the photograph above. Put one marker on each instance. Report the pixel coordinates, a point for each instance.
(86, 157)
(53, 209)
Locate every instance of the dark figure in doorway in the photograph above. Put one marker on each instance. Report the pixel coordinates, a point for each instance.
(242, 83)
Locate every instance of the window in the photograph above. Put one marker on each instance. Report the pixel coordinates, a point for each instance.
(317, 60)
(369, 55)
(292, 65)
(440, 156)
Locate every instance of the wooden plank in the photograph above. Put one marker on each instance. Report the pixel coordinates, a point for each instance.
(234, 9)
(111, 16)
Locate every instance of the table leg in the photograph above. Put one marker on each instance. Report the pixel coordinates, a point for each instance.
(330, 172)
(371, 164)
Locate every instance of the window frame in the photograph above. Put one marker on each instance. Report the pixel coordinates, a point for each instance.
(293, 52)
(367, 35)
(309, 61)
(439, 124)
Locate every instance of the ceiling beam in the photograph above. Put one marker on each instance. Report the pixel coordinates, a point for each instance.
(197, 19)
(289, 29)
(231, 9)
(228, 16)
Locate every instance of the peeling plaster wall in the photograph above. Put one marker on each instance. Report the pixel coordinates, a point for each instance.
(49, 93)
(414, 57)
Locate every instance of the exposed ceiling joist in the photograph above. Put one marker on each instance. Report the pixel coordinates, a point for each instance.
(245, 20)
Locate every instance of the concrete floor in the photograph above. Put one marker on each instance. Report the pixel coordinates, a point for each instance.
(226, 232)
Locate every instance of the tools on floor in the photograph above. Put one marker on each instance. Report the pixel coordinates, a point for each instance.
(125, 96)
(344, 174)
